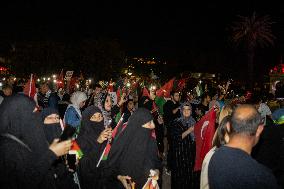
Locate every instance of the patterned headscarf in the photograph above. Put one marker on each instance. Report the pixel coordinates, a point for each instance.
(187, 121)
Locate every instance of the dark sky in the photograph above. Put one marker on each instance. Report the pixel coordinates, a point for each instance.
(142, 28)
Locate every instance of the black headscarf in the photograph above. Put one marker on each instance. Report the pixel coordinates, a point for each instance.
(90, 130)
(53, 130)
(17, 118)
(148, 105)
(135, 151)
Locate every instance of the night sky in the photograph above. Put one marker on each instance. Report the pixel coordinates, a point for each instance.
(170, 30)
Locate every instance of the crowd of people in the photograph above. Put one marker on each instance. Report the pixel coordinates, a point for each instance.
(89, 140)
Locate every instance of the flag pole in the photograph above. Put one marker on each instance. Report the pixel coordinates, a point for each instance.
(109, 141)
(30, 86)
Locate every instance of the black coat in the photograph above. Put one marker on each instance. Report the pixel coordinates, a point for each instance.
(134, 152)
(21, 169)
(90, 175)
(25, 160)
(183, 154)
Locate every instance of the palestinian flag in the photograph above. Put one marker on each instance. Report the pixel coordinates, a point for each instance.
(115, 133)
(75, 147)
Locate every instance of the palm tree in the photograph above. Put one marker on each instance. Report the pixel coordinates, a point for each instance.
(252, 32)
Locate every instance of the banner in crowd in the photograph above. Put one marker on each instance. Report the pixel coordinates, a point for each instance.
(204, 131)
(30, 88)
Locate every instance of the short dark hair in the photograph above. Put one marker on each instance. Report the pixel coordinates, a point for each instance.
(204, 96)
(6, 86)
(248, 124)
(172, 93)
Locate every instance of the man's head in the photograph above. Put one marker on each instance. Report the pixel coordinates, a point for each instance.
(11, 80)
(97, 89)
(44, 88)
(205, 98)
(246, 122)
(7, 90)
(175, 96)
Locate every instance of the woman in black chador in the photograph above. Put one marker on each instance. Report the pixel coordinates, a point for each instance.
(25, 157)
(92, 140)
(52, 130)
(134, 153)
(183, 149)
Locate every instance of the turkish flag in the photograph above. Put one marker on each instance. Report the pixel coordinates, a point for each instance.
(203, 132)
(30, 88)
(166, 89)
(145, 92)
(60, 81)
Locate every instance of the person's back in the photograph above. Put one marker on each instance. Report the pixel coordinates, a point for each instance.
(231, 166)
(234, 168)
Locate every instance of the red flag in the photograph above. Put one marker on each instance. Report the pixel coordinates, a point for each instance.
(181, 84)
(30, 88)
(110, 86)
(204, 131)
(118, 94)
(145, 92)
(166, 89)
(60, 81)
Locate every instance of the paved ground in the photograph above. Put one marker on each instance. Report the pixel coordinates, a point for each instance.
(166, 180)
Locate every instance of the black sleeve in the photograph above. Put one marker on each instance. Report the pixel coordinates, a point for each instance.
(90, 160)
(31, 171)
(176, 131)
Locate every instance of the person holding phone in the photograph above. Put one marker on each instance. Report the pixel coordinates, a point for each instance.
(92, 140)
(26, 159)
(52, 130)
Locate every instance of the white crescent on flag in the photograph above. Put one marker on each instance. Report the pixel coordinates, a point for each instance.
(204, 126)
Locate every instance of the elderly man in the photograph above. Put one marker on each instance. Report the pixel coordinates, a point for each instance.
(232, 166)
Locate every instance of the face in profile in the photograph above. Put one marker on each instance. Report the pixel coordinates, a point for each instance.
(82, 104)
(108, 103)
(97, 117)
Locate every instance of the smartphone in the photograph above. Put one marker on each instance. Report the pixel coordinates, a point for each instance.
(71, 160)
(68, 133)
